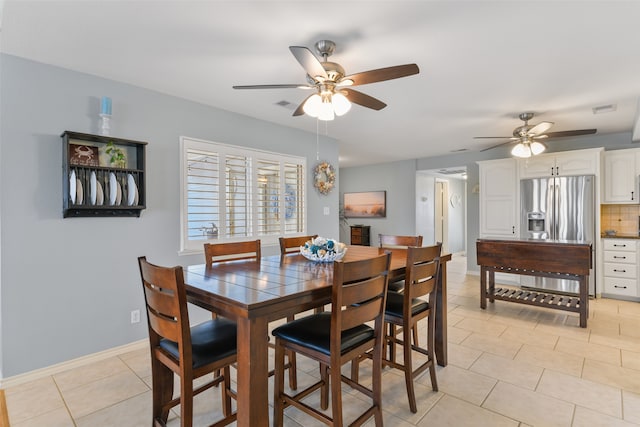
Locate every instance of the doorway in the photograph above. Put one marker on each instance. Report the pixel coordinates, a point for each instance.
(441, 214)
(441, 209)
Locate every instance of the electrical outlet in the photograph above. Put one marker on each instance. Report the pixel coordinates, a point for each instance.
(135, 316)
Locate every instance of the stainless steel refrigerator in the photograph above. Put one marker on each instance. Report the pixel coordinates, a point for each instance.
(558, 208)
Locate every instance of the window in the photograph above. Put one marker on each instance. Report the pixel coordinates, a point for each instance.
(234, 193)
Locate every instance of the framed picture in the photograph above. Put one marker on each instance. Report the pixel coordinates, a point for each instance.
(370, 204)
(83, 155)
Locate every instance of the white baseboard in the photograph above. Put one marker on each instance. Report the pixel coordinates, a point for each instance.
(73, 363)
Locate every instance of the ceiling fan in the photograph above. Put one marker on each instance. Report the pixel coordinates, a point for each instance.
(529, 136)
(332, 94)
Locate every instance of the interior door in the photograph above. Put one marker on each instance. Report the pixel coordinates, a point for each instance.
(442, 214)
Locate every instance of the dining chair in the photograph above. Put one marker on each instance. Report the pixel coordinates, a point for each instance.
(4, 415)
(177, 348)
(231, 251)
(292, 244)
(218, 252)
(404, 310)
(391, 241)
(334, 338)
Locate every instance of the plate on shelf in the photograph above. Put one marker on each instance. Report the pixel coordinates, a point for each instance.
(72, 186)
(99, 194)
(79, 192)
(132, 190)
(136, 198)
(113, 188)
(118, 194)
(93, 187)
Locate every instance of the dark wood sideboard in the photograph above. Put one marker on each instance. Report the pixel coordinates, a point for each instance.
(360, 235)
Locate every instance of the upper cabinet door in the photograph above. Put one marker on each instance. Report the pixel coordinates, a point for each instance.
(620, 176)
(571, 163)
(579, 162)
(498, 198)
(538, 166)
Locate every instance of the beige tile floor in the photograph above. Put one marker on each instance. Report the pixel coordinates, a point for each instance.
(510, 365)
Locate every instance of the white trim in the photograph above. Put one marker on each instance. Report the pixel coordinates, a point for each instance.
(73, 363)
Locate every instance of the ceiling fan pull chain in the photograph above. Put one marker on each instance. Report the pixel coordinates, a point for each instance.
(317, 139)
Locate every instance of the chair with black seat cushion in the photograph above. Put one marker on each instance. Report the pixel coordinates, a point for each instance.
(406, 309)
(392, 241)
(177, 348)
(358, 296)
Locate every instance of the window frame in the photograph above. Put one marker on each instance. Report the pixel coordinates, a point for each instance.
(254, 156)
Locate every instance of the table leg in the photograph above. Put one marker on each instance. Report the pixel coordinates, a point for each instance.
(253, 373)
(492, 286)
(483, 287)
(584, 300)
(441, 317)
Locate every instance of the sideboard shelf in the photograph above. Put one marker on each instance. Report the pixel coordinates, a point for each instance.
(92, 186)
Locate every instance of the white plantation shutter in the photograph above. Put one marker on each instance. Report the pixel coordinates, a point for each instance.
(231, 193)
(203, 199)
(237, 196)
(294, 198)
(268, 197)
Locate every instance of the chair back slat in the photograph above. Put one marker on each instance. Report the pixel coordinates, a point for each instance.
(423, 279)
(217, 252)
(423, 268)
(166, 300)
(358, 293)
(391, 241)
(292, 244)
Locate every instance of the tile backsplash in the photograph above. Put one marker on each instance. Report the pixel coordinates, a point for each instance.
(621, 218)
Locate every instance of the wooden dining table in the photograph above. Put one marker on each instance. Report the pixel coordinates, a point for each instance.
(256, 292)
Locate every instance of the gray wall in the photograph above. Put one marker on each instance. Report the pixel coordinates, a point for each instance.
(403, 177)
(398, 180)
(456, 216)
(68, 285)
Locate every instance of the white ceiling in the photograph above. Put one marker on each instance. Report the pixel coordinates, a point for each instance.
(481, 63)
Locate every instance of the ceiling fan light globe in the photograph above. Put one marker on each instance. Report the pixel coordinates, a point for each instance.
(313, 105)
(341, 104)
(537, 148)
(326, 111)
(521, 150)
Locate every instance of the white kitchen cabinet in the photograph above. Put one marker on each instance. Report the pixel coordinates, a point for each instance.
(620, 269)
(567, 163)
(621, 168)
(498, 198)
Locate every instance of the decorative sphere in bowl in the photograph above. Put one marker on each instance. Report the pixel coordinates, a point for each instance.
(322, 249)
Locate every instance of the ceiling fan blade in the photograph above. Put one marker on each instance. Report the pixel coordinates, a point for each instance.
(541, 127)
(382, 74)
(309, 62)
(492, 137)
(363, 99)
(299, 111)
(566, 133)
(284, 86)
(496, 146)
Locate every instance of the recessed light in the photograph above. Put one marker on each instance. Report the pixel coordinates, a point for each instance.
(609, 108)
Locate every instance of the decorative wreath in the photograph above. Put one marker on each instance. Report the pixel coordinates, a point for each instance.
(324, 177)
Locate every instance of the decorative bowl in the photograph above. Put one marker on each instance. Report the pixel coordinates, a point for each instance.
(322, 249)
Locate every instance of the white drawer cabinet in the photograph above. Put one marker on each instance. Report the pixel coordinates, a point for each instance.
(621, 268)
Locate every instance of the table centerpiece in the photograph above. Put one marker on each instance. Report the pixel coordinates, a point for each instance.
(322, 249)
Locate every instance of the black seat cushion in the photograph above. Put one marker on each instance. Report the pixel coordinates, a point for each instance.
(397, 286)
(395, 302)
(210, 341)
(314, 332)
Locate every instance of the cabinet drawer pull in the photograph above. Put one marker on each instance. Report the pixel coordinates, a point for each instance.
(619, 246)
(619, 257)
(619, 271)
(619, 287)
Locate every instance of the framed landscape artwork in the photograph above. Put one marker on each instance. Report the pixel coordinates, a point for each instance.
(370, 204)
